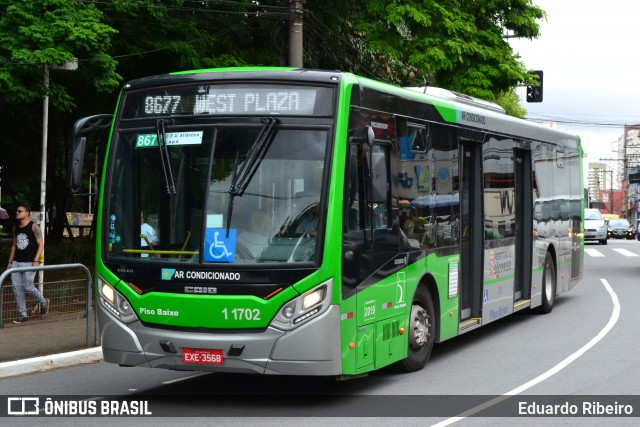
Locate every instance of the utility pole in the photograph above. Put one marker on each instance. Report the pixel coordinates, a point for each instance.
(295, 33)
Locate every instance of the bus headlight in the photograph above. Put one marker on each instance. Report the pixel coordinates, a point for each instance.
(304, 308)
(313, 298)
(108, 293)
(115, 303)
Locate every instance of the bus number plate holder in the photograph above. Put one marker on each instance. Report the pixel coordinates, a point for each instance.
(202, 356)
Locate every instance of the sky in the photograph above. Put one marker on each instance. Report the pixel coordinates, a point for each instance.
(588, 53)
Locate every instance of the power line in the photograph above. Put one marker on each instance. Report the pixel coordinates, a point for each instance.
(284, 10)
(568, 121)
(160, 49)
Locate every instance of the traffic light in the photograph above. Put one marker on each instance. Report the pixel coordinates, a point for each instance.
(534, 93)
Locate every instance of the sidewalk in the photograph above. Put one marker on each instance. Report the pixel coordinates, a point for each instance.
(45, 343)
(41, 344)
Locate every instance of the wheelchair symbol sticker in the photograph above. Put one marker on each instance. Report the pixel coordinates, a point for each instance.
(219, 247)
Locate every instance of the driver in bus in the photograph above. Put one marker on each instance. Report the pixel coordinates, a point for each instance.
(148, 236)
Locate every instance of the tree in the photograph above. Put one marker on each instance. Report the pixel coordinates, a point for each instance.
(456, 45)
(35, 33)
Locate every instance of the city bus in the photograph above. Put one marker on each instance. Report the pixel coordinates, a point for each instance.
(320, 223)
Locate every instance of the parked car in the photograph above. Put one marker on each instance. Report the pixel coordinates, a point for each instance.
(594, 226)
(620, 229)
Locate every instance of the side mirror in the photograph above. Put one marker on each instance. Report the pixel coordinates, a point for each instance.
(76, 163)
(82, 127)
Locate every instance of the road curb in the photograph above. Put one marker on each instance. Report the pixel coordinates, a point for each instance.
(54, 361)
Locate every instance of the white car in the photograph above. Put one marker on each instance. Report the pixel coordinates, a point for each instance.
(594, 226)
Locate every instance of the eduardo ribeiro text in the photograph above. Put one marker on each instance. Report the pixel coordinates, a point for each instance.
(586, 409)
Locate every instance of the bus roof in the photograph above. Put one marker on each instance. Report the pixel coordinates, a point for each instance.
(452, 106)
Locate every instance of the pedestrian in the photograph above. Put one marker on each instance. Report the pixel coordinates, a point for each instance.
(25, 252)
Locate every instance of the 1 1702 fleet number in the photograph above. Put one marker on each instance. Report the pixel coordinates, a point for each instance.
(241, 314)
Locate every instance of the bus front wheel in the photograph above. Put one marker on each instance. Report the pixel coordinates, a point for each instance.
(548, 284)
(421, 331)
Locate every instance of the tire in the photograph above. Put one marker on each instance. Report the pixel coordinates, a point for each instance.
(603, 242)
(549, 281)
(422, 323)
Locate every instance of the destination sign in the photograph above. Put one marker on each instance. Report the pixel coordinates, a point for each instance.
(230, 100)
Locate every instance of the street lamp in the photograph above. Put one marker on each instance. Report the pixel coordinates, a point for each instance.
(68, 66)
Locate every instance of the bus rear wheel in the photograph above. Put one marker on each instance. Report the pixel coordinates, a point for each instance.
(421, 332)
(548, 285)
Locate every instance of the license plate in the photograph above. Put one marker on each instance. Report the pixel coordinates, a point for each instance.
(202, 356)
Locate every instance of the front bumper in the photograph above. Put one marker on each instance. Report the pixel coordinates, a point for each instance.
(311, 349)
(620, 234)
(595, 234)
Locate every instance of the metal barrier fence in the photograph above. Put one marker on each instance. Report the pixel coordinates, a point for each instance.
(70, 314)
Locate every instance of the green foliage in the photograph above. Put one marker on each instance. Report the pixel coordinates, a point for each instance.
(511, 103)
(35, 33)
(448, 43)
(156, 36)
(456, 45)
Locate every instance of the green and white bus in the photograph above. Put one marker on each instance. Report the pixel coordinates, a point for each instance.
(320, 223)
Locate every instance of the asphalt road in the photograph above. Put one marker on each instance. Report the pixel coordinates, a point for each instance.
(586, 349)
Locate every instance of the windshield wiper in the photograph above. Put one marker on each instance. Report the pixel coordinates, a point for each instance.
(241, 178)
(165, 158)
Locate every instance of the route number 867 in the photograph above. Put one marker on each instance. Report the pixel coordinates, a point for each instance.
(241, 314)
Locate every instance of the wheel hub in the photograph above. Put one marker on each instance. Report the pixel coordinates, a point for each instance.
(420, 325)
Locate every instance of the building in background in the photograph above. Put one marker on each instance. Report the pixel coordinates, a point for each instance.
(629, 163)
(601, 181)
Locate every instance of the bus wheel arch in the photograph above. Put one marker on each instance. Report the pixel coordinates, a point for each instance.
(549, 282)
(421, 330)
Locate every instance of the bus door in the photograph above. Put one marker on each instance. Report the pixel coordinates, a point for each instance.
(471, 240)
(523, 224)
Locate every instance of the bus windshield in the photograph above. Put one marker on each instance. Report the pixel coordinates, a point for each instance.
(216, 192)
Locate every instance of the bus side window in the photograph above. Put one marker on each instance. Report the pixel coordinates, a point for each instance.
(367, 201)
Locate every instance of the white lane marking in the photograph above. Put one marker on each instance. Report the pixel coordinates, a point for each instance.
(593, 252)
(615, 314)
(625, 252)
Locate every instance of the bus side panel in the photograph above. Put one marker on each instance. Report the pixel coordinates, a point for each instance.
(382, 321)
(375, 329)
